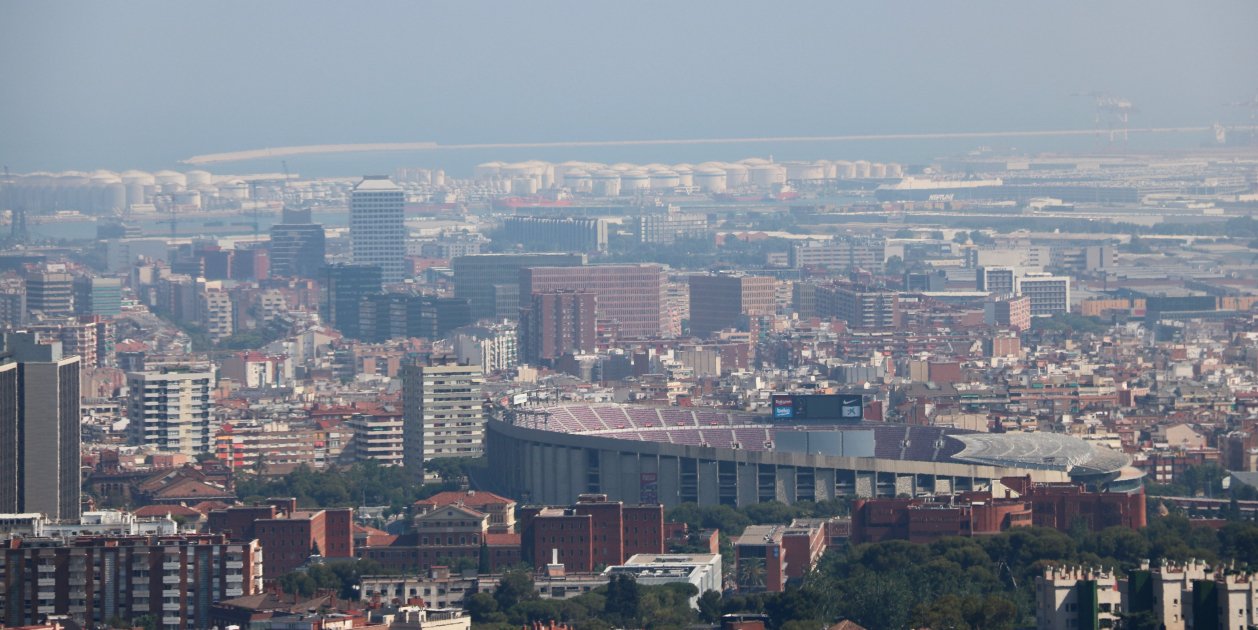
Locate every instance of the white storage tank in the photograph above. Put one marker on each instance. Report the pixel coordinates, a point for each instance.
(685, 175)
(524, 186)
(766, 175)
(199, 179)
(664, 180)
(634, 181)
(607, 183)
(235, 189)
(188, 198)
(710, 179)
(804, 171)
(844, 169)
(165, 178)
(878, 170)
(487, 170)
(578, 180)
(895, 170)
(862, 169)
(736, 175)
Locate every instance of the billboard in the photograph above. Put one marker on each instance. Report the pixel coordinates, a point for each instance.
(819, 407)
(649, 488)
(783, 407)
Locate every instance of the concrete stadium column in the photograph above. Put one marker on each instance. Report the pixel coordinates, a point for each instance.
(824, 478)
(630, 478)
(866, 483)
(669, 481)
(904, 484)
(536, 473)
(609, 474)
(557, 484)
(748, 484)
(709, 483)
(578, 472)
(784, 484)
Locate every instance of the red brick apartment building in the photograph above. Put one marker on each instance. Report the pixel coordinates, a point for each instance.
(288, 536)
(594, 532)
(1055, 505)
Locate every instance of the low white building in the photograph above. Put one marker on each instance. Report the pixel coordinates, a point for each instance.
(703, 570)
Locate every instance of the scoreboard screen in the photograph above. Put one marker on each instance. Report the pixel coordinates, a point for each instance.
(819, 407)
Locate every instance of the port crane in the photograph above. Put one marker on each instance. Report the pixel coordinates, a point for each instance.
(1112, 114)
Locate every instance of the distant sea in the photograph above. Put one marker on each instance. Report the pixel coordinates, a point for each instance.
(459, 162)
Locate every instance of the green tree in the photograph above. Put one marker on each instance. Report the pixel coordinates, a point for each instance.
(710, 606)
(148, 622)
(514, 587)
(624, 598)
(483, 608)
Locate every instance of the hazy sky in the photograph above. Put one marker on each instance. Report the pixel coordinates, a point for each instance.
(143, 84)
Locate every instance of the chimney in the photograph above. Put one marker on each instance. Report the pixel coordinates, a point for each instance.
(555, 569)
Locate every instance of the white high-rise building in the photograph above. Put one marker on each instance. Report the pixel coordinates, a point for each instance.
(443, 413)
(377, 228)
(169, 409)
(1049, 294)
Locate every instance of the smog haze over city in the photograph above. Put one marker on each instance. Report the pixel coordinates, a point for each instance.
(144, 84)
(587, 315)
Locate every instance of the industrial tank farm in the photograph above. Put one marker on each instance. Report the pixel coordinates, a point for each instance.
(623, 178)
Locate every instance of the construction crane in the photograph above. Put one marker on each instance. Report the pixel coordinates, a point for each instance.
(1251, 105)
(1112, 114)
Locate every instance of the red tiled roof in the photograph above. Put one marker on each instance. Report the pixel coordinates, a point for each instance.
(502, 540)
(159, 511)
(471, 499)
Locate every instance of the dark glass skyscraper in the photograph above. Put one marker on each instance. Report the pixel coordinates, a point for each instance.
(39, 428)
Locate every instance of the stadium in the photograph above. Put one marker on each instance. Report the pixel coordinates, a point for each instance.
(671, 455)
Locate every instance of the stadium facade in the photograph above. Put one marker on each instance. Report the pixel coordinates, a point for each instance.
(671, 455)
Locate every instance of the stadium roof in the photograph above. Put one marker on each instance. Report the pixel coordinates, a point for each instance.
(1052, 451)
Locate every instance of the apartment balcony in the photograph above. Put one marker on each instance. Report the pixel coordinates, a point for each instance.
(46, 582)
(235, 564)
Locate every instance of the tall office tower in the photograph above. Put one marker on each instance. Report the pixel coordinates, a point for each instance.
(718, 302)
(169, 408)
(558, 323)
(999, 281)
(491, 282)
(50, 293)
(377, 228)
(442, 413)
(1049, 294)
(97, 296)
(39, 428)
(344, 287)
(298, 246)
(630, 297)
